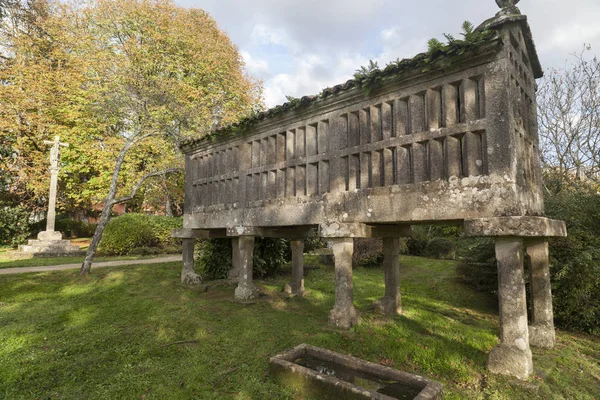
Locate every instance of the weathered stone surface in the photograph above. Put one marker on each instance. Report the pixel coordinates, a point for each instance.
(541, 331)
(391, 303)
(50, 247)
(188, 274)
(515, 226)
(513, 355)
(343, 315)
(246, 290)
(296, 285)
(507, 3)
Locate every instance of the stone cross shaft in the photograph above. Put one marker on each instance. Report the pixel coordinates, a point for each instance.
(54, 167)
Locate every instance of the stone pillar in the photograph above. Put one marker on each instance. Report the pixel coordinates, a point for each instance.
(391, 303)
(246, 290)
(343, 315)
(296, 285)
(188, 275)
(235, 271)
(541, 331)
(513, 355)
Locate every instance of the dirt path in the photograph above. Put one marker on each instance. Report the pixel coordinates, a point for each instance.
(22, 270)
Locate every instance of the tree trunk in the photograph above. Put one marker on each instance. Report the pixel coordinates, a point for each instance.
(105, 216)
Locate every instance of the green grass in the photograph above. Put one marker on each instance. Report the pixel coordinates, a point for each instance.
(108, 337)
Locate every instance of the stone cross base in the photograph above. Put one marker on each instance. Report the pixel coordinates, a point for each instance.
(50, 243)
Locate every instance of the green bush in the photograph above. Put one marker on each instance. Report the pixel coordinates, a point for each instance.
(14, 225)
(73, 228)
(214, 257)
(440, 248)
(367, 252)
(124, 234)
(574, 261)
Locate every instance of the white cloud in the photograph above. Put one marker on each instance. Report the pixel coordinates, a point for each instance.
(256, 67)
(263, 34)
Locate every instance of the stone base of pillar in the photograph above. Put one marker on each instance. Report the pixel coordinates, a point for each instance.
(542, 335)
(246, 291)
(388, 306)
(50, 243)
(510, 360)
(344, 318)
(294, 291)
(190, 278)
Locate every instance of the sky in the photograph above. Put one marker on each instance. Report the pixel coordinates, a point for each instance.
(298, 47)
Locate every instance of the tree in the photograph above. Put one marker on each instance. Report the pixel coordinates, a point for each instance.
(168, 69)
(569, 118)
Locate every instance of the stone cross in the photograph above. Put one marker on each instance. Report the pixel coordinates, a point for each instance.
(54, 167)
(506, 3)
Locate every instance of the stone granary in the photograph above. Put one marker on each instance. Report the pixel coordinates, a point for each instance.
(448, 137)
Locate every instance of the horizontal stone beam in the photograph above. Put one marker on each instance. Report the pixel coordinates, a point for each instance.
(183, 233)
(292, 232)
(389, 231)
(515, 226)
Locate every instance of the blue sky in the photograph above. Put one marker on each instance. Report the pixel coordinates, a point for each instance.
(298, 47)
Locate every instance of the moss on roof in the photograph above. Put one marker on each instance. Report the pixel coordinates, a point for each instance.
(438, 55)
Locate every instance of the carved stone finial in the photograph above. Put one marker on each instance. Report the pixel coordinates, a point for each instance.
(507, 3)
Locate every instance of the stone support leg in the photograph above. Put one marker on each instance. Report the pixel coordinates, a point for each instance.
(246, 290)
(391, 303)
(296, 285)
(188, 275)
(541, 331)
(513, 355)
(235, 271)
(343, 315)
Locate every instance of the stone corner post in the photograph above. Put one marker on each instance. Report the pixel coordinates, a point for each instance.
(188, 275)
(235, 271)
(246, 290)
(391, 303)
(343, 315)
(513, 355)
(541, 331)
(296, 284)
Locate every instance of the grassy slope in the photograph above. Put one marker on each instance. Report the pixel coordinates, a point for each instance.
(108, 337)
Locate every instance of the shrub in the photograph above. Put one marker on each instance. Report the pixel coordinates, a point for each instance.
(214, 257)
(128, 232)
(440, 248)
(367, 252)
(73, 228)
(14, 225)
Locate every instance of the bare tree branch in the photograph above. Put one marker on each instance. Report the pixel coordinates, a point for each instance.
(133, 192)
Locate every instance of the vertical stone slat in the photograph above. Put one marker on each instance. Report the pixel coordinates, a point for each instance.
(434, 108)
(389, 166)
(365, 170)
(404, 165)
(255, 153)
(364, 126)
(300, 142)
(376, 168)
(337, 138)
(290, 182)
(323, 137)
(436, 160)
(453, 156)
(290, 145)
(264, 152)
(375, 123)
(420, 162)
(474, 156)
(417, 113)
(469, 93)
(272, 185)
(281, 141)
(324, 177)
(401, 117)
(281, 182)
(450, 105)
(353, 172)
(301, 180)
(353, 129)
(311, 140)
(387, 120)
(312, 179)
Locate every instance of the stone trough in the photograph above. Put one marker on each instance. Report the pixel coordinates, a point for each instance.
(328, 375)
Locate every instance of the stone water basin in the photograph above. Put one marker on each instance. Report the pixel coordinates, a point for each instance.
(325, 374)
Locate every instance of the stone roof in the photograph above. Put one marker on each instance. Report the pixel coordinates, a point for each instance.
(487, 33)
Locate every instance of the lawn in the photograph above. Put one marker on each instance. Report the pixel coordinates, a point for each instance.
(113, 336)
(7, 261)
